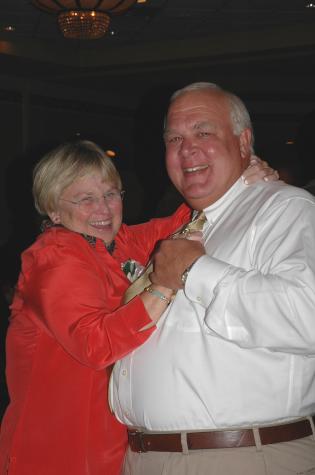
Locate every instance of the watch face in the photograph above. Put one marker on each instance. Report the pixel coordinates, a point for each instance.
(184, 276)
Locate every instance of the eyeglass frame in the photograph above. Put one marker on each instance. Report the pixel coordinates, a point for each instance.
(92, 200)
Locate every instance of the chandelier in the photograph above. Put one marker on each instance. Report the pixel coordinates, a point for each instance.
(84, 19)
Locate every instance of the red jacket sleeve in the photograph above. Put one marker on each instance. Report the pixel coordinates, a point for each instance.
(73, 298)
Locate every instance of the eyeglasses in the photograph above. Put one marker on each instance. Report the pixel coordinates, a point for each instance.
(91, 202)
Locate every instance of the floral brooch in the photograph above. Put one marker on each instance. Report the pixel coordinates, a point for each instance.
(132, 269)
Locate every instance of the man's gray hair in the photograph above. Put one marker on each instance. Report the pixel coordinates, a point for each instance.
(240, 118)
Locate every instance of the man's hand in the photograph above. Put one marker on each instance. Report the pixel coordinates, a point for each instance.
(172, 258)
(259, 170)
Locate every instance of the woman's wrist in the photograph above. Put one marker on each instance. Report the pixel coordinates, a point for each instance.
(165, 295)
(156, 300)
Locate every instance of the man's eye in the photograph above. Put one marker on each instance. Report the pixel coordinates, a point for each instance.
(174, 139)
(204, 134)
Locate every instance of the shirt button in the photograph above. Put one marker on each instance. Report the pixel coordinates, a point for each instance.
(124, 372)
(199, 299)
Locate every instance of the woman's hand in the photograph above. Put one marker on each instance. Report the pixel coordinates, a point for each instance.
(259, 170)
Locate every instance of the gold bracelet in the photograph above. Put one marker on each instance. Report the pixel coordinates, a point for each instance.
(158, 294)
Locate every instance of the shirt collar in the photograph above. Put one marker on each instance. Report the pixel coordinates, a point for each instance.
(213, 211)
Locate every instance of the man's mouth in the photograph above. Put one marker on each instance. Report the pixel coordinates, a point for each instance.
(195, 169)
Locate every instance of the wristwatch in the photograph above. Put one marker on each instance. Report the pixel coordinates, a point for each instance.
(185, 275)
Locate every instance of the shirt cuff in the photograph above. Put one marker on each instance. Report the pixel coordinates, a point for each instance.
(205, 274)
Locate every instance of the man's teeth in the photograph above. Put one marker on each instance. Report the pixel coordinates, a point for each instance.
(195, 169)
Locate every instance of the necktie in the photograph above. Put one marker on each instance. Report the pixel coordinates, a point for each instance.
(143, 280)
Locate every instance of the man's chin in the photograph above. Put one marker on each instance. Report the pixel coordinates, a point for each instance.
(198, 202)
(196, 190)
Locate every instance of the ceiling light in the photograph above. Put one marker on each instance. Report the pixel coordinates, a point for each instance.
(9, 28)
(84, 19)
(310, 5)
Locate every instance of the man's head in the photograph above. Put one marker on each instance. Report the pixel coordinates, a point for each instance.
(208, 138)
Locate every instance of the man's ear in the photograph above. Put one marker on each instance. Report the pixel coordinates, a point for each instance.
(55, 217)
(245, 143)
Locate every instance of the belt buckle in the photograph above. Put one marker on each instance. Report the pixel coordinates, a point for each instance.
(137, 436)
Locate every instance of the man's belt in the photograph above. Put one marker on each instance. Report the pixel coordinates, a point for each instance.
(218, 439)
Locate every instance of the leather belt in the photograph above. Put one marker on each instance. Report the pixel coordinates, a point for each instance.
(218, 439)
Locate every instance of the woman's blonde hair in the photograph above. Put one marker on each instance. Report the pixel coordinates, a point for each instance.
(59, 168)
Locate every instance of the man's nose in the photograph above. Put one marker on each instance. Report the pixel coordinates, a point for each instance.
(188, 147)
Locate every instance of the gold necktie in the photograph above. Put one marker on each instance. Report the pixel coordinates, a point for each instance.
(143, 280)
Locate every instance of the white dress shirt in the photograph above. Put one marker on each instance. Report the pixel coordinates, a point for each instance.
(237, 346)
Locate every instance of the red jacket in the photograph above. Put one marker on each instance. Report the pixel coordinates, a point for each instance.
(66, 330)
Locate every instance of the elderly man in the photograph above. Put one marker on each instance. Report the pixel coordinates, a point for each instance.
(226, 385)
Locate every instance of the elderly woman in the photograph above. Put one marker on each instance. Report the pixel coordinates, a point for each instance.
(68, 326)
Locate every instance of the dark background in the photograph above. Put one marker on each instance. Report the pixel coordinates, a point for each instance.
(115, 90)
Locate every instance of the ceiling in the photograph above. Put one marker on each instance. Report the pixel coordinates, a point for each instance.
(163, 20)
(264, 50)
(165, 43)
